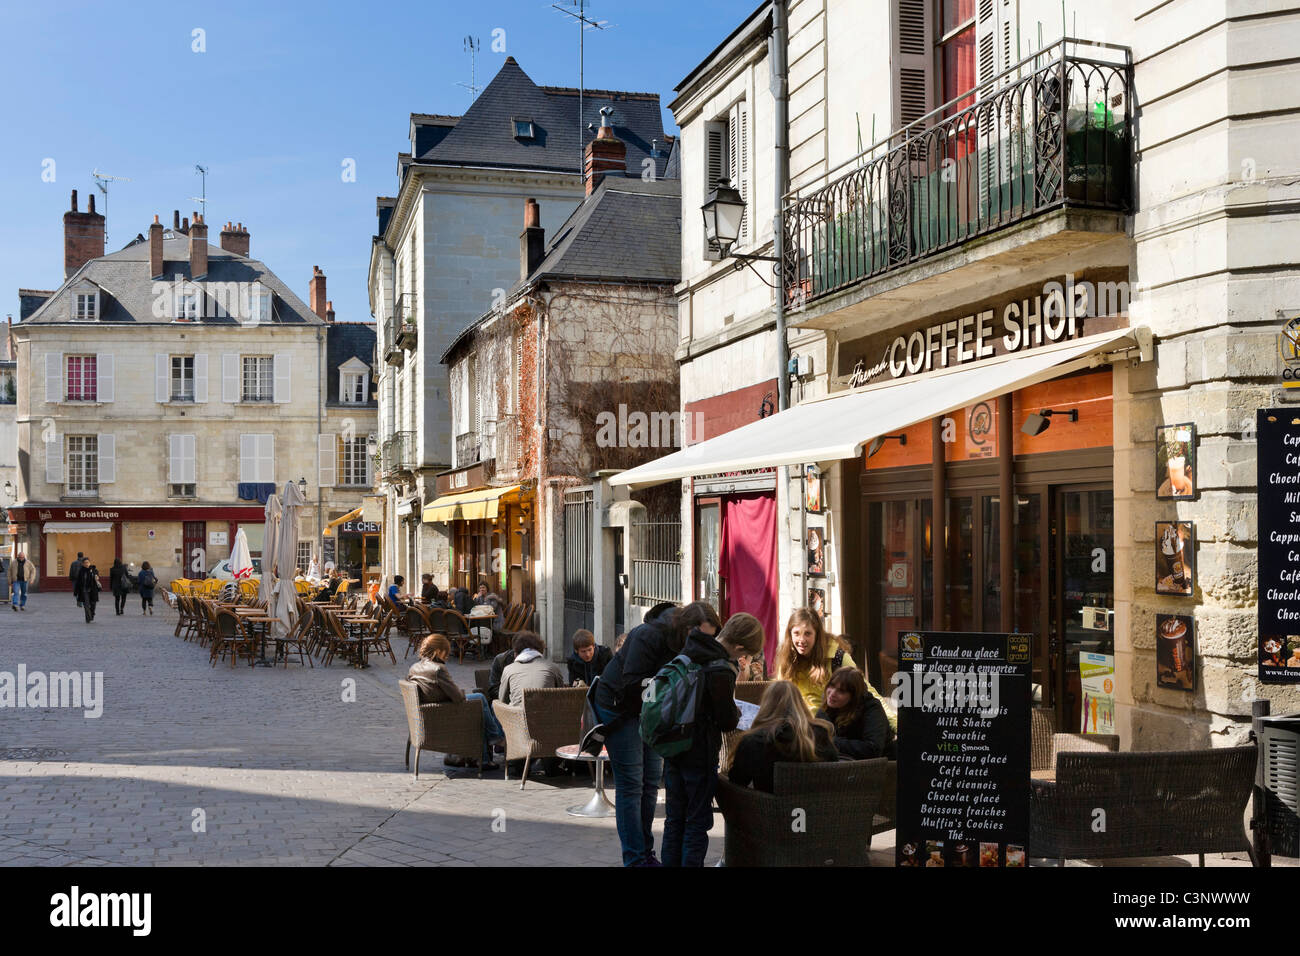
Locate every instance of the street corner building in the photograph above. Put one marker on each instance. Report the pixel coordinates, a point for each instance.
(166, 389)
(977, 316)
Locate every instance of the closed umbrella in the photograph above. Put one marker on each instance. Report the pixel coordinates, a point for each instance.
(270, 538)
(286, 556)
(241, 562)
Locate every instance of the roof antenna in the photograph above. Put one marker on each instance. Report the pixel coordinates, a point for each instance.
(102, 180)
(584, 23)
(472, 48)
(202, 199)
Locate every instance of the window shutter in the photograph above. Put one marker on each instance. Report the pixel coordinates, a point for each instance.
(229, 377)
(326, 455)
(103, 376)
(247, 458)
(201, 377)
(54, 460)
(283, 378)
(181, 468)
(173, 459)
(162, 372)
(266, 458)
(738, 156)
(987, 64)
(54, 378)
(189, 459)
(717, 165)
(913, 66)
(107, 459)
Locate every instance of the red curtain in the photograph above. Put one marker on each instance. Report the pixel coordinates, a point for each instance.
(747, 561)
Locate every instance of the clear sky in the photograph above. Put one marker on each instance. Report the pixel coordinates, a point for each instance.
(281, 96)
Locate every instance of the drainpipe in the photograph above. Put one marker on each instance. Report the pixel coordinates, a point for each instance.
(320, 501)
(781, 158)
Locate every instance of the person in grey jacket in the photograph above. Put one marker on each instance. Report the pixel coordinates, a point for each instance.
(530, 670)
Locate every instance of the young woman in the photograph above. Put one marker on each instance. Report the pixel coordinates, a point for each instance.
(146, 582)
(809, 655)
(119, 585)
(783, 731)
(437, 686)
(861, 726)
(691, 778)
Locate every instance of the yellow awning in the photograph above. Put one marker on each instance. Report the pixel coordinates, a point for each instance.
(350, 516)
(467, 506)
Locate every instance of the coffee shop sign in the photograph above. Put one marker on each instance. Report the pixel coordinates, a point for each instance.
(1052, 316)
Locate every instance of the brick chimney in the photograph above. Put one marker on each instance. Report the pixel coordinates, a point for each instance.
(235, 239)
(83, 236)
(604, 154)
(329, 311)
(317, 292)
(176, 220)
(532, 241)
(156, 267)
(198, 248)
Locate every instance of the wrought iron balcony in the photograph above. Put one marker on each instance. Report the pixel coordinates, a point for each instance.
(1053, 131)
(405, 321)
(393, 353)
(398, 453)
(468, 451)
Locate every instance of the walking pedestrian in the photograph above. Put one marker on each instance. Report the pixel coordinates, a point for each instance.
(119, 585)
(146, 582)
(18, 581)
(88, 585)
(691, 778)
(74, 573)
(617, 702)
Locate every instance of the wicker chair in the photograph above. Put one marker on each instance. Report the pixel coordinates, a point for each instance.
(229, 635)
(1157, 803)
(1042, 723)
(457, 630)
(442, 728)
(830, 799)
(751, 691)
(550, 718)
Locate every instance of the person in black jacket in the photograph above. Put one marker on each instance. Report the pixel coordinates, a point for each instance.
(88, 588)
(691, 778)
(74, 575)
(119, 585)
(783, 731)
(861, 727)
(499, 665)
(617, 702)
(588, 659)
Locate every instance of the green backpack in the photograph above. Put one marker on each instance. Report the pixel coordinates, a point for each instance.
(670, 705)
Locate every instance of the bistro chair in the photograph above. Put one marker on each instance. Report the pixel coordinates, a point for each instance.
(337, 639)
(451, 728)
(462, 638)
(550, 718)
(231, 636)
(297, 637)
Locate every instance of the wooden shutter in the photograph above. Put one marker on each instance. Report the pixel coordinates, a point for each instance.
(738, 163)
(54, 460)
(717, 165)
(282, 377)
(247, 458)
(107, 458)
(201, 377)
(326, 454)
(913, 66)
(987, 62)
(103, 376)
(181, 468)
(266, 458)
(54, 378)
(229, 378)
(162, 372)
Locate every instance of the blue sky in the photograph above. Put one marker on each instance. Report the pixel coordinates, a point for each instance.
(282, 95)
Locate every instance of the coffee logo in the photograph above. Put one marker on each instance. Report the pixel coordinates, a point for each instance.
(980, 423)
(1288, 347)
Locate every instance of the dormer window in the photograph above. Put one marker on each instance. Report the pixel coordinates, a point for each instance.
(354, 382)
(523, 128)
(260, 305)
(86, 307)
(187, 305)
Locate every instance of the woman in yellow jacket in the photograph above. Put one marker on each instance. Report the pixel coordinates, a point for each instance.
(808, 656)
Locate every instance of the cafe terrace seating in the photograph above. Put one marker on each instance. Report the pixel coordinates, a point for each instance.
(549, 719)
(442, 728)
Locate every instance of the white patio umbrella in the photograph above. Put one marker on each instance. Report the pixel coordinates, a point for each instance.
(286, 556)
(241, 562)
(270, 538)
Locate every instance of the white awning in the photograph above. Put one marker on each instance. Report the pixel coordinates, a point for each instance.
(77, 527)
(838, 426)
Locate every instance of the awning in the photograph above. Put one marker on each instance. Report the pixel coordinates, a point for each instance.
(77, 527)
(352, 515)
(467, 506)
(838, 426)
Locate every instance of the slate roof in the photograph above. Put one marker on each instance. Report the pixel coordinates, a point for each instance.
(345, 340)
(128, 287)
(484, 136)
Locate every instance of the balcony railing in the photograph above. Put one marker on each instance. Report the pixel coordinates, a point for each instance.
(467, 449)
(393, 354)
(506, 449)
(1052, 131)
(398, 453)
(405, 321)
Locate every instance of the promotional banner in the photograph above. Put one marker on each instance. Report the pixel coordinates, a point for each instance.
(963, 749)
(1097, 683)
(1278, 533)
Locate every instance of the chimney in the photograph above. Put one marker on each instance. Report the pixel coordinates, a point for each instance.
(532, 241)
(604, 154)
(235, 239)
(185, 225)
(156, 267)
(317, 292)
(329, 311)
(176, 220)
(83, 236)
(198, 248)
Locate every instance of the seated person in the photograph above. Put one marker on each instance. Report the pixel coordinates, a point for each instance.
(486, 597)
(395, 592)
(437, 686)
(461, 601)
(530, 669)
(861, 727)
(327, 592)
(587, 660)
(784, 731)
(428, 590)
(499, 665)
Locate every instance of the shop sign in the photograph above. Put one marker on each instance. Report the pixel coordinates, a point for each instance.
(1277, 436)
(963, 749)
(359, 527)
(1288, 349)
(218, 538)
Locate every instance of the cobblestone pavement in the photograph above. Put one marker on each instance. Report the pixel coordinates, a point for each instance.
(191, 765)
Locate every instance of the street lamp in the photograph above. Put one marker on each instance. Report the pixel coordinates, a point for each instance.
(302, 486)
(724, 211)
(10, 492)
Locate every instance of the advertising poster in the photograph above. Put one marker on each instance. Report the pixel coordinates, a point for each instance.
(963, 749)
(1097, 683)
(1278, 462)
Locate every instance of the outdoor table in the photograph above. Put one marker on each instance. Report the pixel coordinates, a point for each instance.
(355, 621)
(259, 621)
(598, 805)
(481, 612)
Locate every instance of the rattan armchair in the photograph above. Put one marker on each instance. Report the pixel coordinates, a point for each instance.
(451, 728)
(832, 800)
(1042, 727)
(1156, 803)
(550, 718)
(230, 635)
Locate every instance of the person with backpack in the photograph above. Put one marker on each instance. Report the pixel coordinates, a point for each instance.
(147, 581)
(809, 655)
(782, 732)
(616, 699)
(119, 585)
(691, 775)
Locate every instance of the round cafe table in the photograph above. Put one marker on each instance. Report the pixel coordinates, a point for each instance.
(598, 805)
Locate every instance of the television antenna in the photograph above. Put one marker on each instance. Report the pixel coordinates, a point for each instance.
(202, 198)
(102, 180)
(472, 48)
(585, 23)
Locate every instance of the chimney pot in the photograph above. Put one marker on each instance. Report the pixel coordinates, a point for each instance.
(185, 224)
(74, 200)
(83, 236)
(90, 203)
(176, 219)
(604, 154)
(532, 241)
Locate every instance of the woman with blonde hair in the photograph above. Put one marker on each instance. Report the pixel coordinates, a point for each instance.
(809, 655)
(783, 732)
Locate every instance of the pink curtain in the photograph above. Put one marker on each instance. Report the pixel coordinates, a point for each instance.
(747, 562)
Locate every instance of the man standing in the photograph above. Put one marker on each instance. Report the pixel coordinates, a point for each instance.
(18, 581)
(74, 573)
(88, 588)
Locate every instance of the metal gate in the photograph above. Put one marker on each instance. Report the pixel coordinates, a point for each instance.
(194, 545)
(579, 605)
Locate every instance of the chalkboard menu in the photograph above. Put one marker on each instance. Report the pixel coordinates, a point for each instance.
(1277, 459)
(963, 749)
